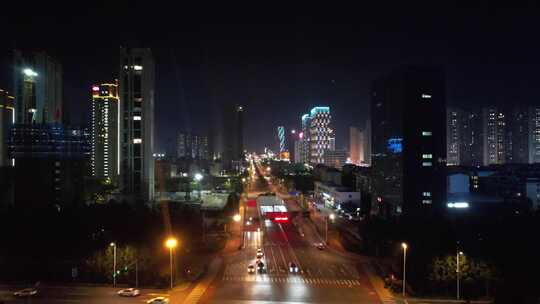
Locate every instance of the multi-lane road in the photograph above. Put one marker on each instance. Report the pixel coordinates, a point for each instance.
(324, 276)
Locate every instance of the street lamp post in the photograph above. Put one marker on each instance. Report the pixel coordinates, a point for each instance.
(171, 244)
(137, 273)
(326, 230)
(198, 178)
(331, 217)
(457, 273)
(404, 246)
(113, 245)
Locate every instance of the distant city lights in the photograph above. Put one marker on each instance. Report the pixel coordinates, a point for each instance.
(458, 205)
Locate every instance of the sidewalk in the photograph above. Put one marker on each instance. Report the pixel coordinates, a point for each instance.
(443, 301)
(378, 284)
(198, 291)
(232, 245)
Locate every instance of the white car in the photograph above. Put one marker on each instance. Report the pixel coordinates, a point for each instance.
(251, 269)
(129, 292)
(293, 268)
(158, 300)
(27, 292)
(259, 253)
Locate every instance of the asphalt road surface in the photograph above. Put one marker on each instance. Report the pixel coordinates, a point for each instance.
(63, 294)
(324, 277)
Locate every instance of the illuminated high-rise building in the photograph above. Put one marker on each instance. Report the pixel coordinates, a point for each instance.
(367, 143)
(137, 123)
(239, 134)
(463, 145)
(356, 146)
(7, 118)
(454, 142)
(494, 136)
(517, 135)
(408, 118)
(320, 136)
(105, 131)
(37, 88)
(534, 135)
(317, 136)
(304, 137)
(191, 146)
(298, 151)
(281, 139)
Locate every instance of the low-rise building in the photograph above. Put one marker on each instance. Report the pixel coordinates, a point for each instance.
(61, 156)
(333, 195)
(327, 174)
(335, 158)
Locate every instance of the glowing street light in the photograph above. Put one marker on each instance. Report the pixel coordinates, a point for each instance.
(404, 246)
(237, 217)
(332, 216)
(113, 245)
(268, 169)
(459, 253)
(171, 243)
(29, 72)
(198, 178)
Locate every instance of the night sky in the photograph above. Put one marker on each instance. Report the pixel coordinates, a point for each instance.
(279, 62)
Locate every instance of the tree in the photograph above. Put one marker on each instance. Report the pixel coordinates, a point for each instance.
(471, 271)
(100, 264)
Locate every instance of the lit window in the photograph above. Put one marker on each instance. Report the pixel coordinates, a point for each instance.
(427, 202)
(426, 194)
(136, 118)
(426, 96)
(137, 140)
(426, 133)
(137, 67)
(427, 156)
(427, 164)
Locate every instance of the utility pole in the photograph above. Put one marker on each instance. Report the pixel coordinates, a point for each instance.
(137, 273)
(457, 273)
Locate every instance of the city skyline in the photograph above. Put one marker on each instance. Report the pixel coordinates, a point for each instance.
(155, 153)
(194, 75)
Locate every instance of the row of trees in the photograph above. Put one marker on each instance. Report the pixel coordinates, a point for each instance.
(500, 255)
(475, 275)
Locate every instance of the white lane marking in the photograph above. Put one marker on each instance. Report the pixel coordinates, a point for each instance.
(276, 266)
(283, 257)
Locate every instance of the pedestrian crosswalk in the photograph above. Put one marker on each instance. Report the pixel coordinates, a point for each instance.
(292, 280)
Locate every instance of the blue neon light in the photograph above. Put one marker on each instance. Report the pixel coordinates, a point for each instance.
(395, 145)
(316, 110)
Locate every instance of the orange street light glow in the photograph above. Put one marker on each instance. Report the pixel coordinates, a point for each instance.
(171, 243)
